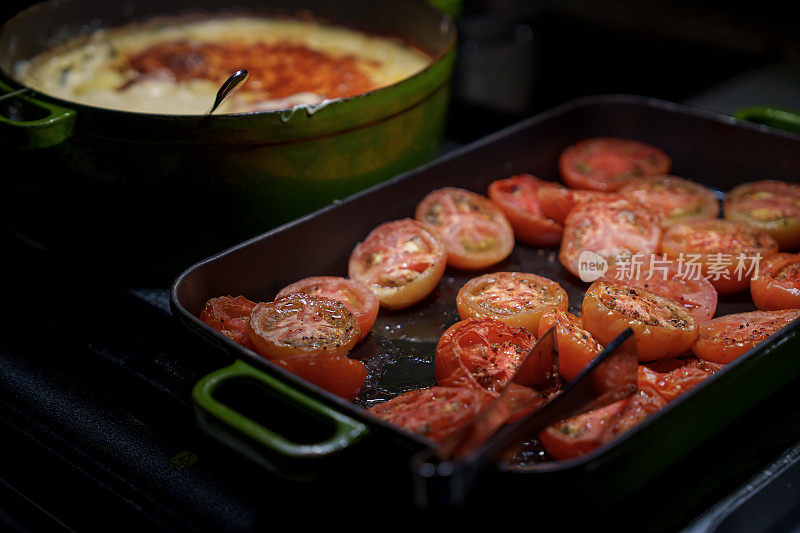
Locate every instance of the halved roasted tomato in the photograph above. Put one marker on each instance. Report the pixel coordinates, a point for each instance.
(672, 377)
(576, 346)
(777, 285)
(608, 163)
(435, 413)
(486, 355)
(674, 199)
(300, 324)
(584, 433)
(662, 326)
(481, 353)
(229, 315)
(612, 230)
(725, 338)
(475, 232)
(341, 376)
(557, 201)
(516, 298)
(400, 261)
(769, 205)
(517, 197)
(668, 278)
(356, 296)
(724, 252)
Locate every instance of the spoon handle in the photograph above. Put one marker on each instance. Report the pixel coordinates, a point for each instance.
(229, 87)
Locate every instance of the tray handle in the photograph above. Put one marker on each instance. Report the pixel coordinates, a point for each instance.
(782, 119)
(347, 431)
(49, 125)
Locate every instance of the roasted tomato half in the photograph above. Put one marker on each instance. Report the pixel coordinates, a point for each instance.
(230, 315)
(585, 433)
(612, 230)
(576, 346)
(400, 261)
(356, 296)
(724, 252)
(557, 201)
(668, 278)
(341, 376)
(516, 298)
(662, 326)
(435, 413)
(300, 324)
(770, 205)
(482, 353)
(674, 199)
(475, 231)
(518, 198)
(672, 377)
(777, 285)
(608, 163)
(725, 338)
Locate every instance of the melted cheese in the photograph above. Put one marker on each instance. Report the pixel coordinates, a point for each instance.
(105, 69)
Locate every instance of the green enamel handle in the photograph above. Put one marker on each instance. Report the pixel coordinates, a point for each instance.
(346, 430)
(450, 7)
(783, 119)
(52, 123)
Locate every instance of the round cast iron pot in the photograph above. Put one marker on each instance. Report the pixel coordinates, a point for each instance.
(147, 194)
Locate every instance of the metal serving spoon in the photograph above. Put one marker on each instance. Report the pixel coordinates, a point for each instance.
(230, 86)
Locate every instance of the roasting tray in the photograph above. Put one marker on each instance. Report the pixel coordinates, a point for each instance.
(312, 432)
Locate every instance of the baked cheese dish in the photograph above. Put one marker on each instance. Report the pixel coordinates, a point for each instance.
(175, 67)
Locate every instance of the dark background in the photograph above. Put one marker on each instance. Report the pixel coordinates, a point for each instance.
(94, 388)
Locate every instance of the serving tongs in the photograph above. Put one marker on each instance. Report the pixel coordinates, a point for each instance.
(443, 475)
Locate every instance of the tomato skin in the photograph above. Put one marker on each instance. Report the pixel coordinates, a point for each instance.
(230, 316)
(435, 413)
(400, 261)
(674, 199)
(720, 247)
(515, 298)
(725, 338)
(612, 229)
(475, 231)
(518, 198)
(770, 205)
(576, 346)
(670, 378)
(778, 283)
(356, 296)
(608, 163)
(341, 376)
(665, 277)
(291, 326)
(556, 201)
(663, 328)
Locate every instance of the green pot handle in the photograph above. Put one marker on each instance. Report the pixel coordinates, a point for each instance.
(347, 431)
(450, 7)
(53, 127)
(783, 119)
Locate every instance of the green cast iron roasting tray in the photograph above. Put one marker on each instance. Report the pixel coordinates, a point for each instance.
(716, 150)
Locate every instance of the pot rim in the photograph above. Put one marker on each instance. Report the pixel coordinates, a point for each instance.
(447, 25)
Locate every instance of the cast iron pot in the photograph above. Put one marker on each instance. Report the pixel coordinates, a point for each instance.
(154, 192)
